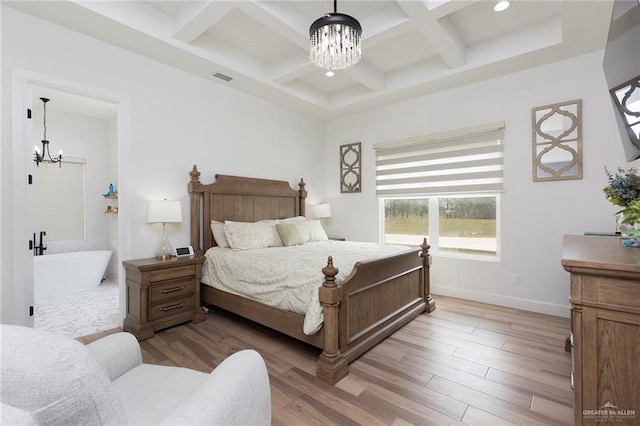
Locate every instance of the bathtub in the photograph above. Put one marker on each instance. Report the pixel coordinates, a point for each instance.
(66, 273)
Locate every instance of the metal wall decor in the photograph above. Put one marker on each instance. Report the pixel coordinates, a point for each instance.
(557, 141)
(350, 167)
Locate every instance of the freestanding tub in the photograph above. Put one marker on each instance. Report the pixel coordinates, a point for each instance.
(66, 273)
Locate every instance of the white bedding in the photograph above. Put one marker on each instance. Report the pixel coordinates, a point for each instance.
(287, 277)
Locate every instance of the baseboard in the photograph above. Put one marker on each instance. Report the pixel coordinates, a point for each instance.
(510, 302)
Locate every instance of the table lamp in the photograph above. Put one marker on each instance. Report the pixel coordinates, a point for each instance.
(163, 212)
(320, 211)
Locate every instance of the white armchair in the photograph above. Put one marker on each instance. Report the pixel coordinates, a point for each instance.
(50, 379)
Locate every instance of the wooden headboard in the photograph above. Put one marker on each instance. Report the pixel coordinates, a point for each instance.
(240, 199)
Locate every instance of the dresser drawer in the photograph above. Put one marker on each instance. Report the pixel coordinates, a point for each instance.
(613, 293)
(171, 273)
(173, 307)
(171, 290)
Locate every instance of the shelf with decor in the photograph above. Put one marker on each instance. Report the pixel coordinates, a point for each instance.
(112, 204)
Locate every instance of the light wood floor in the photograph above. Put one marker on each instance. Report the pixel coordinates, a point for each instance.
(465, 363)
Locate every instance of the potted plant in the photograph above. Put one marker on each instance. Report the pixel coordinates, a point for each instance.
(624, 190)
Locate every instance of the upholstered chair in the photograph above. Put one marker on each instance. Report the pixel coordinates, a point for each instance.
(51, 379)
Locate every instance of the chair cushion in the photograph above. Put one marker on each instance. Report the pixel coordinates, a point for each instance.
(150, 393)
(55, 380)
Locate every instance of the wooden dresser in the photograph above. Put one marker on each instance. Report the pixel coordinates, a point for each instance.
(605, 329)
(162, 293)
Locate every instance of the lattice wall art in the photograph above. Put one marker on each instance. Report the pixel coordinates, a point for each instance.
(557, 141)
(350, 167)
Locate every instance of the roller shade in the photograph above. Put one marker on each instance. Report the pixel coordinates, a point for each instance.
(461, 164)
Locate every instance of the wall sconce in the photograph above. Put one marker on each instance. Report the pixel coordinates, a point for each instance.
(163, 212)
(320, 211)
(45, 157)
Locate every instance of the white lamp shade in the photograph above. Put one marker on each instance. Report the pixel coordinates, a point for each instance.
(322, 210)
(164, 211)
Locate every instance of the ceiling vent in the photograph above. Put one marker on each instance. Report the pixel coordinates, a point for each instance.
(222, 76)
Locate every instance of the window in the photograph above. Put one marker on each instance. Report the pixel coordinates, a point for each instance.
(444, 187)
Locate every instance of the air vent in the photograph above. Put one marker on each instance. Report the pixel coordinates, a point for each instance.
(222, 77)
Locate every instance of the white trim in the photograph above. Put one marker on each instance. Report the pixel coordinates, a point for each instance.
(468, 131)
(501, 300)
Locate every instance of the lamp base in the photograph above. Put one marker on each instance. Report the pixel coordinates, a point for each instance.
(166, 249)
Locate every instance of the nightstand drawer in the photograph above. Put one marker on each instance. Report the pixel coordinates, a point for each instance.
(171, 273)
(171, 290)
(170, 308)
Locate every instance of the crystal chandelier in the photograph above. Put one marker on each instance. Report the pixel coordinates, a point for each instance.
(45, 156)
(335, 41)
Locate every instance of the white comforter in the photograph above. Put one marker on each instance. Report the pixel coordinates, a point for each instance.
(287, 277)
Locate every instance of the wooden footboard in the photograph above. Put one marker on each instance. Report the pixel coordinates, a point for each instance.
(375, 300)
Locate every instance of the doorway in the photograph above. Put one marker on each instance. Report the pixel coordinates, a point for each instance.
(99, 113)
(75, 288)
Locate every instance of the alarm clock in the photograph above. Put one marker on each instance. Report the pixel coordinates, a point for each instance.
(183, 251)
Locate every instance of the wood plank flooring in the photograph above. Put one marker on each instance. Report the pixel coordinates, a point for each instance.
(465, 363)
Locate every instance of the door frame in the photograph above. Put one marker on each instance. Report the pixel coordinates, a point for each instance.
(22, 273)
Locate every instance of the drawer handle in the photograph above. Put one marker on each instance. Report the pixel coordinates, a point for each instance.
(171, 290)
(172, 307)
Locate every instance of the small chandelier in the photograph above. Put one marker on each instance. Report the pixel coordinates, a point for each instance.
(335, 41)
(45, 156)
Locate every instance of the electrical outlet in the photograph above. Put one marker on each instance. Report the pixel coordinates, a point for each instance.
(515, 279)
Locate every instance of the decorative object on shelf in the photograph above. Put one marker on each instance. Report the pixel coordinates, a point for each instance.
(623, 190)
(111, 193)
(112, 196)
(320, 211)
(164, 212)
(350, 168)
(45, 156)
(335, 41)
(557, 141)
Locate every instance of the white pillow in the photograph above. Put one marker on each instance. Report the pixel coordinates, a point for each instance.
(313, 230)
(251, 235)
(217, 229)
(295, 218)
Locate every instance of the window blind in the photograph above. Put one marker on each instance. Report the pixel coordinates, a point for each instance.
(460, 164)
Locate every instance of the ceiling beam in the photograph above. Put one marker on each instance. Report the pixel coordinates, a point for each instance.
(440, 32)
(195, 20)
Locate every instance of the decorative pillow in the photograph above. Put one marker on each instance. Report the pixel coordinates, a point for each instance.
(290, 234)
(251, 235)
(312, 230)
(217, 229)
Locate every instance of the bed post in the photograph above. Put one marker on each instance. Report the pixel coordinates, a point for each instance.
(195, 189)
(332, 366)
(302, 197)
(426, 264)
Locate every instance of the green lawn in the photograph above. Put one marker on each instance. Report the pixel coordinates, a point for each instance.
(414, 225)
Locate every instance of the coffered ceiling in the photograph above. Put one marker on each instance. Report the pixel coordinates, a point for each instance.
(409, 47)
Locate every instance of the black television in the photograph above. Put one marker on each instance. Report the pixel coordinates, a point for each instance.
(621, 67)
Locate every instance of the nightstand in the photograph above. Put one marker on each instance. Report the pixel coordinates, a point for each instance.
(162, 293)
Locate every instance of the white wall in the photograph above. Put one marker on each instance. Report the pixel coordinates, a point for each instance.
(537, 214)
(80, 137)
(176, 120)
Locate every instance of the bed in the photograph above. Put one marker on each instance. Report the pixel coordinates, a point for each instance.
(376, 298)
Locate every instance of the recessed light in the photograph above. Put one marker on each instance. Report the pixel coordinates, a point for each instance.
(501, 5)
(329, 73)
